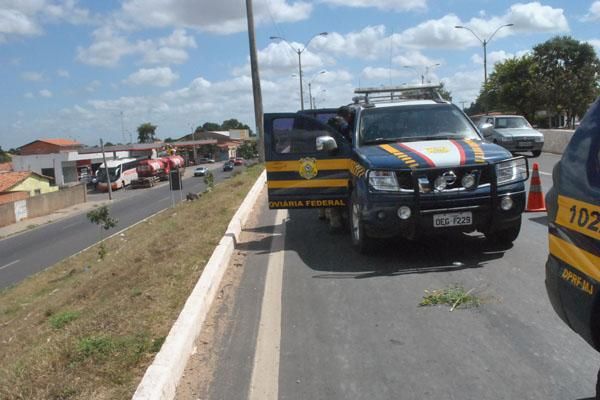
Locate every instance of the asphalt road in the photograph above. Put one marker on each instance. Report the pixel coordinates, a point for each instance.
(34, 250)
(346, 326)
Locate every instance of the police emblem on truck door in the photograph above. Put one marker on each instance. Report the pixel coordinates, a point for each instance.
(308, 168)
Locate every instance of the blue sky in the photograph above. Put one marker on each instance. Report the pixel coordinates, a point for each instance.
(72, 68)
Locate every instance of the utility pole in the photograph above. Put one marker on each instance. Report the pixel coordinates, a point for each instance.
(122, 128)
(258, 108)
(106, 170)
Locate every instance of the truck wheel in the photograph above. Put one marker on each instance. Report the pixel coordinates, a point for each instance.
(536, 153)
(360, 240)
(506, 235)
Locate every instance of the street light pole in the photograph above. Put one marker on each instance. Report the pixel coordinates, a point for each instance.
(299, 52)
(484, 42)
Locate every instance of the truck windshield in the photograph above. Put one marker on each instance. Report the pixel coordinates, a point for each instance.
(114, 173)
(411, 123)
(511, 122)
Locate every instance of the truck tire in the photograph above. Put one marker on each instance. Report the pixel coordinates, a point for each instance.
(506, 235)
(536, 153)
(360, 240)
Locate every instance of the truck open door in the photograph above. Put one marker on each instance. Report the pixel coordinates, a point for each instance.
(308, 162)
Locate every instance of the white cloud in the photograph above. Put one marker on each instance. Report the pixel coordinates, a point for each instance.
(594, 12)
(45, 93)
(109, 47)
(386, 5)
(25, 18)
(464, 85)
(535, 17)
(63, 73)
(32, 76)
(154, 76)
(92, 86)
(223, 17)
(369, 43)
(441, 33)
(28, 95)
(492, 58)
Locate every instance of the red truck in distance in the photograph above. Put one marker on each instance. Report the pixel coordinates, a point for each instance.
(151, 171)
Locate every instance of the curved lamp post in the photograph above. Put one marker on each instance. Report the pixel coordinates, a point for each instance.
(420, 74)
(310, 98)
(299, 52)
(484, 42)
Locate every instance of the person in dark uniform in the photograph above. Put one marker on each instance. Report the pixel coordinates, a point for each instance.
(342, 122)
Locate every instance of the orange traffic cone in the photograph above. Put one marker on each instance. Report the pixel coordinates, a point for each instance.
(535, 199)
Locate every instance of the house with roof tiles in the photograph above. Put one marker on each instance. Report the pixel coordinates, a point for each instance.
(22, 185)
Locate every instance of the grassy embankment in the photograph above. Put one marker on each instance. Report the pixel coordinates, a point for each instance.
(88, 329)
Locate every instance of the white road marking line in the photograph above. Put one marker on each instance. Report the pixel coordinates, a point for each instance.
(9, 264)
(70, 225)
(265, 373)
(545, 173)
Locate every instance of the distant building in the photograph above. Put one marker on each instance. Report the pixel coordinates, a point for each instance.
(48, 146)
(22, 185)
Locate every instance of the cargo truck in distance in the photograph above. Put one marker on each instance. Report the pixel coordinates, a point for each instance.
(151, 171)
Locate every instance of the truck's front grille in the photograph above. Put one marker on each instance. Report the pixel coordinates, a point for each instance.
(425, 178)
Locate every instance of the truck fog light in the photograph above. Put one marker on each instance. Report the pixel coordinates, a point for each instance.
(468, 181)
(381, 215)
(506, 203)
(404, 212)
(440, 183)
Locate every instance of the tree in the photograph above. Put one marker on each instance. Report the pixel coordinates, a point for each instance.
(146, 132)
(169, 140)
(211, 126)
(445, 93)
(248, 149)
(512, 87)
(4, 156)
(101, 216)
(567, 71)
(234, 124)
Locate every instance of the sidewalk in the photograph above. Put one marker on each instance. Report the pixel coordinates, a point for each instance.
(31, 223)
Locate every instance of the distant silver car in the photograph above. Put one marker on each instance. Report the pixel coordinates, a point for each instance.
(512, 132)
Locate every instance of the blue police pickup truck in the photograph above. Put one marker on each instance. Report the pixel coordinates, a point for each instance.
(409, 164)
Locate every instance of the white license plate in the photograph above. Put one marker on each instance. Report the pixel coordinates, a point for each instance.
(525, 144)
(452, 219)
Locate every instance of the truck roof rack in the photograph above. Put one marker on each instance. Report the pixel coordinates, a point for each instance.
(393, 94)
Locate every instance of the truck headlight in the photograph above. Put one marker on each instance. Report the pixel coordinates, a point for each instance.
(539, 139)
(469, 181)
(384, 181)
(512, 171)
(505, 138)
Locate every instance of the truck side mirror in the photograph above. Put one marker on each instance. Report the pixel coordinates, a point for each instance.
(486, 129)
(326, 143)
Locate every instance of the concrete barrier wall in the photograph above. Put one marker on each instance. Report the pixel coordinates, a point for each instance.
(45, 204)
(556, 140)
(7, 214)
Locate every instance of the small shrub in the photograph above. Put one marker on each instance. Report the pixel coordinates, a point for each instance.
(454, 296)
(157, 344)
(95, 346)
(58, 321)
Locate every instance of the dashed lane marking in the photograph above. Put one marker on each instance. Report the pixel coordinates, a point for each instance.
(9, 264)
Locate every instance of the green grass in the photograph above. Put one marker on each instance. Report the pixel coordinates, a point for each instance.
(88, 328)
(59, 320)
(453, 296)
